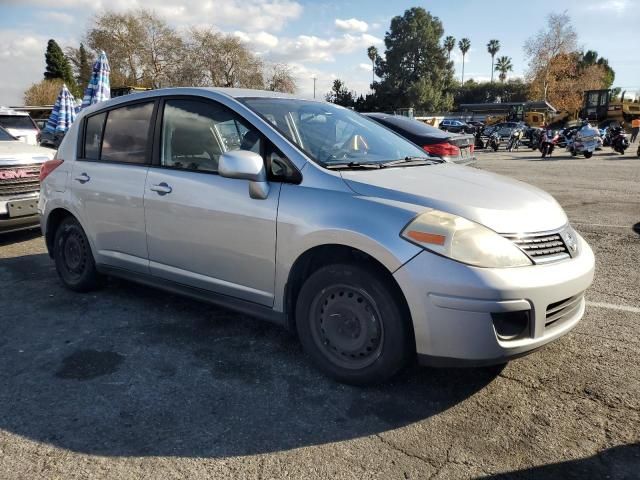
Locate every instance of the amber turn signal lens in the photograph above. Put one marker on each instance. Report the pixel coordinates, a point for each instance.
(425, 237)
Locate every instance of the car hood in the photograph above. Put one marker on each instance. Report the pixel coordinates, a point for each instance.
(18, 153)
(500, 203)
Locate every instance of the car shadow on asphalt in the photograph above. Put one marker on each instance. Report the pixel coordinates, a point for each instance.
(622, 462)
(19, 236)
(132, 371)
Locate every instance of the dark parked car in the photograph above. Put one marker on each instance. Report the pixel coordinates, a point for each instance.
(452, 147)
(456, 126)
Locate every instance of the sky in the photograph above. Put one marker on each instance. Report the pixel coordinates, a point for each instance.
(325, 39)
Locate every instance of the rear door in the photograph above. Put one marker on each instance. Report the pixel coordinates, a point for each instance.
(108, 183)
(204, 230)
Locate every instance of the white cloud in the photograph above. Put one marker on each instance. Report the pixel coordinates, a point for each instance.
(307, 48)
(617, 6)
(351, 25)
(365, 66)
(253, 15)
(25, 55)
(56, 17)
(260, 40)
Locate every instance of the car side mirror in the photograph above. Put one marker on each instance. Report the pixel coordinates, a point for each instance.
(245, 165)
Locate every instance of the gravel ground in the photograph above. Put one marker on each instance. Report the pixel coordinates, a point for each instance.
(130, 382)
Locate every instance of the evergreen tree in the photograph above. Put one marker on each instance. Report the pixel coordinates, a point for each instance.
(84, 68)
(57, 65)
(415, 71)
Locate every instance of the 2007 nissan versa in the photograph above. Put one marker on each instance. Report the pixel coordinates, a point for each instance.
(312, 216)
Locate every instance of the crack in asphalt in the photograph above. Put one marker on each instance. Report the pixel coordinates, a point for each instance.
(408, 454)
(594, 398)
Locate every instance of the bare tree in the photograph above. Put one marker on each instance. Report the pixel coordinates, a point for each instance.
(122, 36)
(558, 38)
(43, 93)
(161, 51)
(279, 78)
(223, 60)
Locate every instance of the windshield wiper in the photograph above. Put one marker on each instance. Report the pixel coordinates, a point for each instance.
(353, 165)
(408, 161)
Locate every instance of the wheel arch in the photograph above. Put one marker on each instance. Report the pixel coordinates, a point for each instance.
(319, 256)
(54, 219)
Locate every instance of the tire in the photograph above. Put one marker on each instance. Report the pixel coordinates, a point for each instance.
(588, 154)
(352, 325)
(73, 258)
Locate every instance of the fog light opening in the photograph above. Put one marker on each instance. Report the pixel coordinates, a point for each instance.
(511, 325)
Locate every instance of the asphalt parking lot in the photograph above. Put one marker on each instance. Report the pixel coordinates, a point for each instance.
(129, 382)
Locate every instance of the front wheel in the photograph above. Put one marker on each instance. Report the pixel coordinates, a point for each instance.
(588, 154)
(73, 258)
(352, 325)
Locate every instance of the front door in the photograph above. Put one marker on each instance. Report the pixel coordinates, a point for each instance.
(204, 230)
(108, 181)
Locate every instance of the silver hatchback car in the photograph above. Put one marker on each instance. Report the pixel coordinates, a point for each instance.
(317, 218)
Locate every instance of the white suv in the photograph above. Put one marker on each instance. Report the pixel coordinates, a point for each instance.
(315, 217)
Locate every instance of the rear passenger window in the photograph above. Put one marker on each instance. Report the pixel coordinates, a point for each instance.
(195, 134)
(93, 136)
(126, 133)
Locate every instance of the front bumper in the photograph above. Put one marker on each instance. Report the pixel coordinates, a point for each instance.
(451, 305)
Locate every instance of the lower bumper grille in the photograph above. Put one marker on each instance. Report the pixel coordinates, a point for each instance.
(563, 310)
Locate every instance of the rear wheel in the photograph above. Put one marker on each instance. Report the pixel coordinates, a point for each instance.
(588, 154)
(352, 325)
(73, 258)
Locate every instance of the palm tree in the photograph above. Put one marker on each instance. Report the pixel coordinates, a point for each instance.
(464, 45)
(503, 65)
(372, 53)
(449, 44)
(492, 47)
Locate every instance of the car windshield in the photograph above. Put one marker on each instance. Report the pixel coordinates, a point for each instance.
(333, 135)
(5, 136)
(17, 121)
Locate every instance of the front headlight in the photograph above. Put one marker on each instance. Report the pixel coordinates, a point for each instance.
(463, 240)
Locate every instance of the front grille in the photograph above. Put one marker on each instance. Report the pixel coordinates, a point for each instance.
(541, 248)
(19, 185)
(564, 309)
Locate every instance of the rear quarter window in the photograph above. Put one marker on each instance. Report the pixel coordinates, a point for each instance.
(93, 136)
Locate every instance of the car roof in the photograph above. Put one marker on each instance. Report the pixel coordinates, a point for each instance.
(9, 111)
(410, 125)
(235, 93)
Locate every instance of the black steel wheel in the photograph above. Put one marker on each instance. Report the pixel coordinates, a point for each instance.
(347, 326)
(72, 254)
(353, 325)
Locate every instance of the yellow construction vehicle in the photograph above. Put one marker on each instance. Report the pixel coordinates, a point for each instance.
(602, 105)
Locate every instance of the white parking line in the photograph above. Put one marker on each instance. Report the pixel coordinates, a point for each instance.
(601, 225)
(613, 306)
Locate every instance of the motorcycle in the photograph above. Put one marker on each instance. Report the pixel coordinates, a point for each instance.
(514, 139)
(494, 141)
(535, 137)
(583, 141)
(549, 140)
(478, 140)
(618, 139)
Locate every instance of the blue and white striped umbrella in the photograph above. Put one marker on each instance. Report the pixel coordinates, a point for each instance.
(63, 113)
(99, 87)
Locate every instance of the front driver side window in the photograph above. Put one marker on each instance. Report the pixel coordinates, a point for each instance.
(195, 134)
